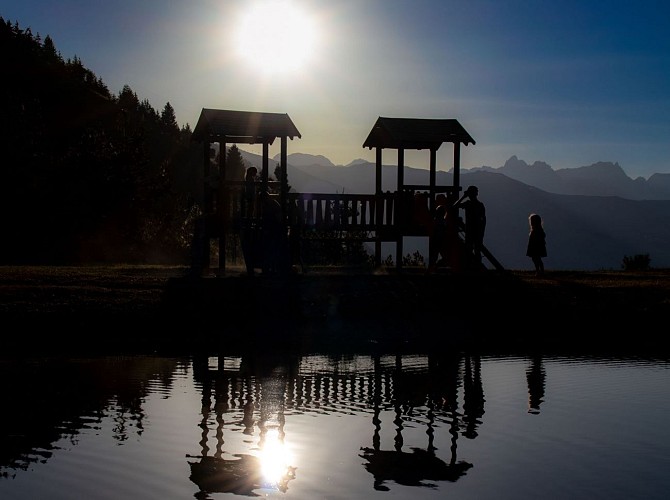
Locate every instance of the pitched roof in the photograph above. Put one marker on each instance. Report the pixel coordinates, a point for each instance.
(247, 127)
(416, 133)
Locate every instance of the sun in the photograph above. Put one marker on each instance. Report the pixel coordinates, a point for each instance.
(275, 37)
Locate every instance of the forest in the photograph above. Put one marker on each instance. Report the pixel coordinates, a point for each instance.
(88, 176)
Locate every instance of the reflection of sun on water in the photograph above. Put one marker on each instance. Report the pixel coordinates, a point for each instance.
(275, 36)
(275, 459)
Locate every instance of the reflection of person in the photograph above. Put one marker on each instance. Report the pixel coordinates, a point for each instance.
(475, 222)
(537, 244)
(535, 377)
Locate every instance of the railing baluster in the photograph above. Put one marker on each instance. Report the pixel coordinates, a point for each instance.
(319, 214)
(353, 210)
(363, 214)
(373, 212)
(310, 212)
(328, 212)
(336, 211)
(389, 211)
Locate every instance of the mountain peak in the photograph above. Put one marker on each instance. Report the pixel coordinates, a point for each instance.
(514, 164)
(604, 168)
(306, 160)
(357, 161)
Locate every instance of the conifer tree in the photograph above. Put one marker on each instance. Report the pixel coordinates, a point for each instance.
(235, 164)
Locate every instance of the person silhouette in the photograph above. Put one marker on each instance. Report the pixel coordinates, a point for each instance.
(248, 214)
(537, 243)
(475, 223)
(249, 194)
(446, 242)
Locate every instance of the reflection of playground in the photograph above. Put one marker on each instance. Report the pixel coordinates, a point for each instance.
(253, 383)
(420, 390)
(443, 378)
(240, 476)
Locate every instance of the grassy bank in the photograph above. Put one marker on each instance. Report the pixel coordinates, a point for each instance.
(151, 307)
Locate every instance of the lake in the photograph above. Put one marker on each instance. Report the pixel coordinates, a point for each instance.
(376, 425)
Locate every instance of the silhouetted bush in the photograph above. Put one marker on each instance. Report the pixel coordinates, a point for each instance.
(639, 262)
(409, 260)
(415, 259)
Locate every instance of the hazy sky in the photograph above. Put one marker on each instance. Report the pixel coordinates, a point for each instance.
(569, 83)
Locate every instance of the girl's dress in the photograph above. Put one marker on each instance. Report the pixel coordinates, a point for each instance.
(537, 246)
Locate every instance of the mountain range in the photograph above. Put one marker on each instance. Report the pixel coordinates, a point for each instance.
(594, 216)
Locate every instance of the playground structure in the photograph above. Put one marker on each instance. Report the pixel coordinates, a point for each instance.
(375, 217)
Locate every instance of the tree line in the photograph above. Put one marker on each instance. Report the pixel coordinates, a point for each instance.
(87, 176)
(92, 177)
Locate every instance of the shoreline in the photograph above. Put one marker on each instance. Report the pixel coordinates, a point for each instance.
(150, 308)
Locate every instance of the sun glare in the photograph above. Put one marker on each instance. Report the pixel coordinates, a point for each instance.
(275, 460)
(275, 37)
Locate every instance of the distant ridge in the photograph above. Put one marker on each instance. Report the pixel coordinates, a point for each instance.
(306, 160)
(593, 215)
(598, 179)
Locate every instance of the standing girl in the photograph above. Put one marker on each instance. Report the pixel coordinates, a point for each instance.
(537, 245)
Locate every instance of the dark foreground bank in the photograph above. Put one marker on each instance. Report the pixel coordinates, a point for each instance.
(157, 308)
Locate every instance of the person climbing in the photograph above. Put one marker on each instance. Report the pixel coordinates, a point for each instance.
(475, 223)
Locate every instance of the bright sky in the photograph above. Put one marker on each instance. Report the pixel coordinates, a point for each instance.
(569, 83)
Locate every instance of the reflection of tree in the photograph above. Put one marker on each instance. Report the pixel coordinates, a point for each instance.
(421, 466)
(52, 399)
(535, 376)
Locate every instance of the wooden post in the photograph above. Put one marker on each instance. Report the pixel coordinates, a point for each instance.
(400, 209)
(433, 176)
(457, 167)
(222, 207)
(264, 173)
(206, 199)
(283, 196)
(432, 250)
(379, 206)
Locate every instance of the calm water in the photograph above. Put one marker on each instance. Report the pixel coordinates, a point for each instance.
(386, 426)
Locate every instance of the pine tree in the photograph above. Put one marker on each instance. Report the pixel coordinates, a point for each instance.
(235, 164)
(169, 119)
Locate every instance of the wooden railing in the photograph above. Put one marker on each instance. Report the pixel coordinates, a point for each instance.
(346, 212)
(388, 214)
(370, 217)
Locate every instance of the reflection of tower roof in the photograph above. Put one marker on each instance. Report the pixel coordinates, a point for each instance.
(411, 469)
(241, 476)
(217, 475)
